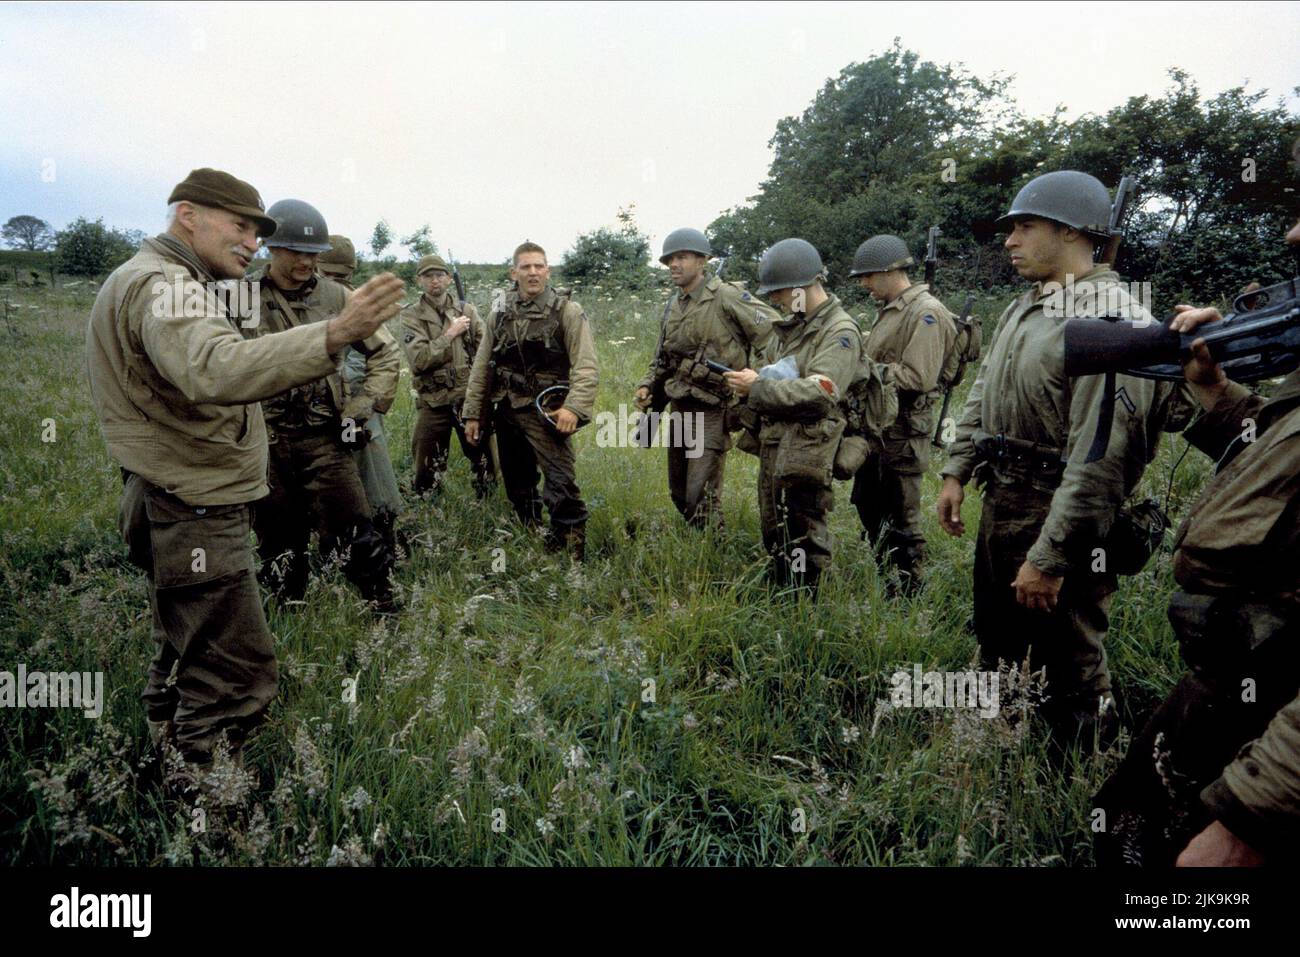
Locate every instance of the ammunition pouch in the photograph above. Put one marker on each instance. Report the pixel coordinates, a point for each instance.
(1136, 535)
(521, 383)
(1015, 461)
(703, 384)
(850, 456)
(806, 453)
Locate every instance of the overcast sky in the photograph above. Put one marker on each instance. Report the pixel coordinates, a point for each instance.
(496, 123)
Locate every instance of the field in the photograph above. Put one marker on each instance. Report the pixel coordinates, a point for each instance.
(658, 705)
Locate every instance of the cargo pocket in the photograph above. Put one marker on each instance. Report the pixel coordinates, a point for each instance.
(850, 456)
(192, 545)
(806, 453)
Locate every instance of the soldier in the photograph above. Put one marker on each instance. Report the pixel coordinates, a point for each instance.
(802, 417)
(1214, 777)
(374, 462)
(912, 338)
(440, 337)
(313, 429)
(1028, 435)
(537, 338)
(706, 319)
(176, 390)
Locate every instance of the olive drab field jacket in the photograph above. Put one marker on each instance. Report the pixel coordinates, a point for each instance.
(177, 390)
(440, 366)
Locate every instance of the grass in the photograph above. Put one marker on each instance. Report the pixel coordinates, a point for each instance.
(659, 705)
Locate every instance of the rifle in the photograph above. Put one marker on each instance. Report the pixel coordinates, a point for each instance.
(932, 255)
(1115, 228)
(1250, 344)
(455, 276)
(947, 393)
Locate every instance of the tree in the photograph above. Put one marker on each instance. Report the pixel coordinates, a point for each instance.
(419, 244)
(89, 249)
(381, 238)
(840, 172)
(620, 256)
(28, 232)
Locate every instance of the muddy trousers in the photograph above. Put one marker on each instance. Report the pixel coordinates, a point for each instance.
(888, 501)
(431, 447)
(1065, 643)
(214, 672)
(311, 474)
(795, 525)
(530, 449)
(697, 455)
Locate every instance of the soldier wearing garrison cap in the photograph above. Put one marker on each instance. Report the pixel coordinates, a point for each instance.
(706, 319)
(177, 392)
(314, 428)
(911, 338)
(440, 336)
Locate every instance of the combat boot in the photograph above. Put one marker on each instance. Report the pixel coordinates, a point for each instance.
(576, 540)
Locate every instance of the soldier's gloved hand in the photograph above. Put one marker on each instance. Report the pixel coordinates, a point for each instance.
(472, 431)
(642, 398)
(1037, 590)
(566, 422)
(950, 498)
(457, 327)
(1216, 846)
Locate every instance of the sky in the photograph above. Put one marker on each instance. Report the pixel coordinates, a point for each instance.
(496, 123)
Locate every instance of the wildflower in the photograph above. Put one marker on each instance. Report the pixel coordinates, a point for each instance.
(358, 800)
(850, 733)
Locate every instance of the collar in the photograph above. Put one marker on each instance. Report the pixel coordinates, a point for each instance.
(541, 304)
(442, 303)
(293, 295)
(703, 291)
(171, 248)
(1100, 272)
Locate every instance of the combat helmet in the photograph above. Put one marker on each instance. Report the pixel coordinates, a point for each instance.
(1066, 196)
(341, 258)
(685, 240)
(881, 254)
(298, 226)
(788, 264)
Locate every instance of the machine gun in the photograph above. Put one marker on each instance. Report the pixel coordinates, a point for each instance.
(1249, 344)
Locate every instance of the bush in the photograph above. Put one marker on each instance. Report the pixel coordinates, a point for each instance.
(619, 256)
(90, 249)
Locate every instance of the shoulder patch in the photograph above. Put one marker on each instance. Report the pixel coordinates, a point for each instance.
(746, 296)
(410, 337)
(928, 319)
(846, 342)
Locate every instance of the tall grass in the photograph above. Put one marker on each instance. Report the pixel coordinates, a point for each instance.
(660, 704)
